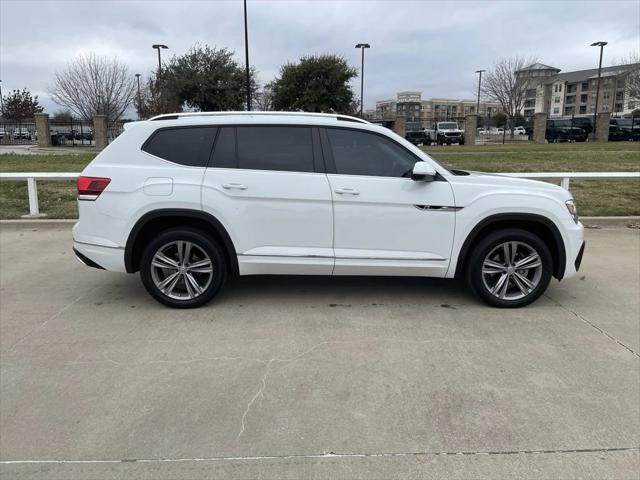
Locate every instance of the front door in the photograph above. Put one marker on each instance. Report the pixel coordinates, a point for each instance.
(385, 223)
(266, 186)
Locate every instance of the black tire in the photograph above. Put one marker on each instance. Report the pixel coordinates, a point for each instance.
(474, 268)
(202, 243)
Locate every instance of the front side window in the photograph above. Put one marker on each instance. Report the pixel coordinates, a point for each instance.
(188, 146)
(279, 148)
(362, 153)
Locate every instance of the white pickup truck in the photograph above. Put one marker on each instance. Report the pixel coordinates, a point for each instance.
(445, 133)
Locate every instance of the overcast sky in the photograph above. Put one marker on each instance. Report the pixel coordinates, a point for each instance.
(430, 46)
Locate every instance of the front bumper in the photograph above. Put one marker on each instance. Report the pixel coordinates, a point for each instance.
(579, 257)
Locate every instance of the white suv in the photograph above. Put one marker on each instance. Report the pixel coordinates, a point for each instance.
(191, 199)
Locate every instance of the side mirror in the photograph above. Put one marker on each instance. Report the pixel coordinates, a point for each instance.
(423, 172)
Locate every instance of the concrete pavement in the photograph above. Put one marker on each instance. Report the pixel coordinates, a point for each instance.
(284, 377)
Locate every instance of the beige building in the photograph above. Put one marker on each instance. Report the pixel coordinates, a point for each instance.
(421, 113)
(574, 93)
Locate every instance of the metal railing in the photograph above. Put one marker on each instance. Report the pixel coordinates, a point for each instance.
(564, 178)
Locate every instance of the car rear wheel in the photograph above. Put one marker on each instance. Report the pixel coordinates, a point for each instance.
(183, 268)
(510, 268)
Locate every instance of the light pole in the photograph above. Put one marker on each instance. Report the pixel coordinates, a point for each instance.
(158, 46)
(595, 111)
(362, 46)
(246, 57)
(479, 83)
(1, 102)
(138, 79)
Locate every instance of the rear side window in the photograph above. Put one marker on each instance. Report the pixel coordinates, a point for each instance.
(188, 146)
(283, 148)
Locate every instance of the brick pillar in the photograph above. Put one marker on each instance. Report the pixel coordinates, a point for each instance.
(42, 128)
(539, 127)
(470, 129)
(399, 126)
(100, 130)
(602, 127)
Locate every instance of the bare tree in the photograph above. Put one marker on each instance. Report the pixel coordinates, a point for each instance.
(632, 80)
(156, 100)
(94, 85)
(501, 84)
(263, 98)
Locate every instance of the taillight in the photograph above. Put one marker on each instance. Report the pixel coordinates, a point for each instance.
(90, 188)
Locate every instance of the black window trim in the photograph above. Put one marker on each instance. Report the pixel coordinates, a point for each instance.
(330, 162)
(317, 157)
(177, 127)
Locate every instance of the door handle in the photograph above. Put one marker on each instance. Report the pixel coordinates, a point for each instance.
(234, 186)
(347, 191)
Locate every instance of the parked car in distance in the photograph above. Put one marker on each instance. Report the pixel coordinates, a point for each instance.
(445, 133)
(617, 134)
(563, 131)
(630, 127)
(417, 137)
(21, 133)
(519, 131)
(3, 133)
(189, 200)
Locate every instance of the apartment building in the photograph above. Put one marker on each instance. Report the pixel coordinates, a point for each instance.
(421, 113)
(574, 93)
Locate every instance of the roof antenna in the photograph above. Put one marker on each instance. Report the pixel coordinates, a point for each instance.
(331, 110)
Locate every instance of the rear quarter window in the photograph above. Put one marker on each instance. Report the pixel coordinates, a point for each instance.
(189, 146)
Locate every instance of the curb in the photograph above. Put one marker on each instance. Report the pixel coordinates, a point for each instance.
(611, 222)
(588, 222)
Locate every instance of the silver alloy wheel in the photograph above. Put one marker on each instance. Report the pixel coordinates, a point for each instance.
(512, 270)
(181, 270)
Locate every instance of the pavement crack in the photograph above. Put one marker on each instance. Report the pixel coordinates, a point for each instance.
(593, 325)
(334, 455)
(259, 394)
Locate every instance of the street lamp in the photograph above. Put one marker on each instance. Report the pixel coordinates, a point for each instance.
(138, 79)
(595, 111)
(479, 82)
(246, 56)
(362, 46)
(158, 46)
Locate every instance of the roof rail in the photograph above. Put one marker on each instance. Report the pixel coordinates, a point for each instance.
(175, 116)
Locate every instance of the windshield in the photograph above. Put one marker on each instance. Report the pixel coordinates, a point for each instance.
(448, 126)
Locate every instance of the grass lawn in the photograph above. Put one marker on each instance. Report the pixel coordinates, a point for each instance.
(57, 199)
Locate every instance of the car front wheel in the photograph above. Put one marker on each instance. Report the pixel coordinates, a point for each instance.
(183, 268)
(510, 268)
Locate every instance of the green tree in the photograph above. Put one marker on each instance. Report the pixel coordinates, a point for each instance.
(19, 105)
(206, 79)
(499, 120)
(317, 83)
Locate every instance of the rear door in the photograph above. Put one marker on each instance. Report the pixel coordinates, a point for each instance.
(266, 184)
(385, 223)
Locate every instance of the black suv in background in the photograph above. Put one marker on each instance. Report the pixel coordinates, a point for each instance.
(418, 137)
(564, 131)
(624, 129)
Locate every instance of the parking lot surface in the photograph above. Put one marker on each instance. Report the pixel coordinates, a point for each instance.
(314, 377)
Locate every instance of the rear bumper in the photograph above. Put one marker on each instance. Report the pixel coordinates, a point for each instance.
(98, 256)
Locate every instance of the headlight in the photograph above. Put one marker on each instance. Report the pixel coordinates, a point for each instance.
(573, 210)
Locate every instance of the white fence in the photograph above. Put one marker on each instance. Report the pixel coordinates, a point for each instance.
(564, 178)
